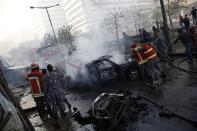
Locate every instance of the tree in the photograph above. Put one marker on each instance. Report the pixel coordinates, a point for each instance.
(173, 7)
(113, 21)
(143, 19)
(116, 15)
(157, 16)
(48, 39)
(66, 35)
(113, 18)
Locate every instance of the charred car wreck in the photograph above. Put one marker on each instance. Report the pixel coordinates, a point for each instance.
(103, 70)
(111, 112)
(125, 111)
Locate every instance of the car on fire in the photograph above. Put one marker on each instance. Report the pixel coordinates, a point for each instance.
(103, 70)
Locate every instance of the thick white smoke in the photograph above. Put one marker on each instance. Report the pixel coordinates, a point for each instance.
(89, 49)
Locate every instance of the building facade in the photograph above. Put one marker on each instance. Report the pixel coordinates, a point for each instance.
(87, 15)
(84, 15)
(75, 14)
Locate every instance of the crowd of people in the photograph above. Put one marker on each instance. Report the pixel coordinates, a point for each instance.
(149, 51)
(185, 22)
(188, 34)
(148, 55)
(47, 89)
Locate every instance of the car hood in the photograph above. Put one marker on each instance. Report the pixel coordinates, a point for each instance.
(125, 66)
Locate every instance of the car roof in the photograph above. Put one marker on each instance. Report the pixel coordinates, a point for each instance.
(106, 57)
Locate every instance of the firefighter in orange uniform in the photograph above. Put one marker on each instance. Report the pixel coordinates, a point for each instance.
(140, 58)
(146, 57)
(35, 79)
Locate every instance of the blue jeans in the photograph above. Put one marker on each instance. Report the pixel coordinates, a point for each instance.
(189, 50)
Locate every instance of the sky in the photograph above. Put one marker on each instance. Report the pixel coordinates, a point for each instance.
(15, 24)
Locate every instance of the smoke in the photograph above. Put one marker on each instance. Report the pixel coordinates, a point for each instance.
(89, 49)
(24, 54)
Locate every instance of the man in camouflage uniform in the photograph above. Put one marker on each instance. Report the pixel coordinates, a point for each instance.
(61, 76)
(55, 92)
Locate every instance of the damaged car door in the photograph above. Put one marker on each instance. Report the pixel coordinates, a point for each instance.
(107, 70)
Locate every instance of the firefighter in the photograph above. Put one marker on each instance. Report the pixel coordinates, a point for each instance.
(55, 92)
(146, 57)
(140, 58)
(35, 79)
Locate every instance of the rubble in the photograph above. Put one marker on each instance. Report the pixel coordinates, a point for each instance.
(27, 102)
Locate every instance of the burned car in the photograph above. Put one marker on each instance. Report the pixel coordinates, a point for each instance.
(103, 70)
(111, 111)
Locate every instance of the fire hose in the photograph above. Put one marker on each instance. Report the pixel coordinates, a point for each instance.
(178, 67)
(162, 107)
(183, 60)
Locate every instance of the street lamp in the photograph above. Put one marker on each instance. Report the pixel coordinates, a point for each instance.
(46, 8)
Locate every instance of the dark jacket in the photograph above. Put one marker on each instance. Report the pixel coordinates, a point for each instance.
(186, 22)
(185, 37)
(194, 13)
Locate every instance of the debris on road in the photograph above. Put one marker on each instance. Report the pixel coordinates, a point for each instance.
(112, 111)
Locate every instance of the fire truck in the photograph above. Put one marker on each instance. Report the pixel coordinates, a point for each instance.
(52, 54)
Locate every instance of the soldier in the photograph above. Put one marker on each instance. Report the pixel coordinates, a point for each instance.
(47, 103)
(55, 92)
(61, 76)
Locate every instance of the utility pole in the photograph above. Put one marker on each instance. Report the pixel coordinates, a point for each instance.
(165, 25)
(51, 24)
(46, 8)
